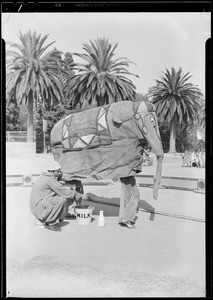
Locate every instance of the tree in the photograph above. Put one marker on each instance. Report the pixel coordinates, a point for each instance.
(186, 137)
(12, 116)
(67, 66)
(177, 101)
(100, 79)
(32, 76)
(52, 115)
(203, 117)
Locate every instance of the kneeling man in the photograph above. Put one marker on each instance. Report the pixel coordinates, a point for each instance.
(50, 200)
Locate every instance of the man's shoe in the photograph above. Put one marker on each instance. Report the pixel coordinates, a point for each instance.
(54, 227)
(127, 224)
(70, 216)
(134, 220)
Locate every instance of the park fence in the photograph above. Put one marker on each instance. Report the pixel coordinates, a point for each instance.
(21, 137)
(18, 136)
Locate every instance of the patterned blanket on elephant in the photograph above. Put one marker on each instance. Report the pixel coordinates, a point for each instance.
(120, 159)
(102, 142)
(86, 129)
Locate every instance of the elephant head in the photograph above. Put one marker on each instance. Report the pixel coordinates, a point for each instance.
(146, 120)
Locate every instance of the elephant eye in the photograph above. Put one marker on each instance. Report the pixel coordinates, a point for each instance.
(153, 121)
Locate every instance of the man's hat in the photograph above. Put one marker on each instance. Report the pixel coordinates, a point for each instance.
(53, 166)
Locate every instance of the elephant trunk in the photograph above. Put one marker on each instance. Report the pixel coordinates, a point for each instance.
(157, 178)
(152, 135)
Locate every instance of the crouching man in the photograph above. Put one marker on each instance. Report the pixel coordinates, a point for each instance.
(50, 200)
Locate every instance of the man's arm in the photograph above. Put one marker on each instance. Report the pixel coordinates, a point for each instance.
(61, 190)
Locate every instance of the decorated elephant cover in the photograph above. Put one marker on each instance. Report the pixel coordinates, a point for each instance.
(102, 142)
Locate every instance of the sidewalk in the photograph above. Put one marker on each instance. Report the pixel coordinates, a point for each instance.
(163, 257)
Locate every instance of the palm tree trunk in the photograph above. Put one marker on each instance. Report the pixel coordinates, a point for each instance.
(172, 141)
(30, 119)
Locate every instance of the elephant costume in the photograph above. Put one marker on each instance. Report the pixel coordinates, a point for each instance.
(107, 141)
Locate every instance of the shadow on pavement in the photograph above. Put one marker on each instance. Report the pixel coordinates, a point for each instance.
(64, 223)
(147, 207)
(110, 206)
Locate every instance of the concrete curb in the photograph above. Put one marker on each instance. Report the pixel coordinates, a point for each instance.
(143, 176)
(175, 184)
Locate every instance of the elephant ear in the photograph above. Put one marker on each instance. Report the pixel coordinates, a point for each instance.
(143, 106)
(121, 113)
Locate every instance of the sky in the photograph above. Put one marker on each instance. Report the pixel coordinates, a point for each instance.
(153, 41)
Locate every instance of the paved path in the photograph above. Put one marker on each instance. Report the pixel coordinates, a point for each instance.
(163, 257)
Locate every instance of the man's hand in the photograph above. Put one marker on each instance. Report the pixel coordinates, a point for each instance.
(84, 197)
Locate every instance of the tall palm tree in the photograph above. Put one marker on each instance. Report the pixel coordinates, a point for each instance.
(101, 79)
(177, 101)
(33, 76)
(203, 117)
(68, 67)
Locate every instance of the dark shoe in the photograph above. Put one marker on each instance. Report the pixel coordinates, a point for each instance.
(135, 219)
(127, 224)
(70, 216)
(54, 227)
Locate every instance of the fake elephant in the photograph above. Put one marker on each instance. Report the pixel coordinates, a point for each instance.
(107, 141)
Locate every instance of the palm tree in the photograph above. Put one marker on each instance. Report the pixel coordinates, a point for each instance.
(33, 76)
(68, 67)
(177, 101)
(203, 117)
(100, 79)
